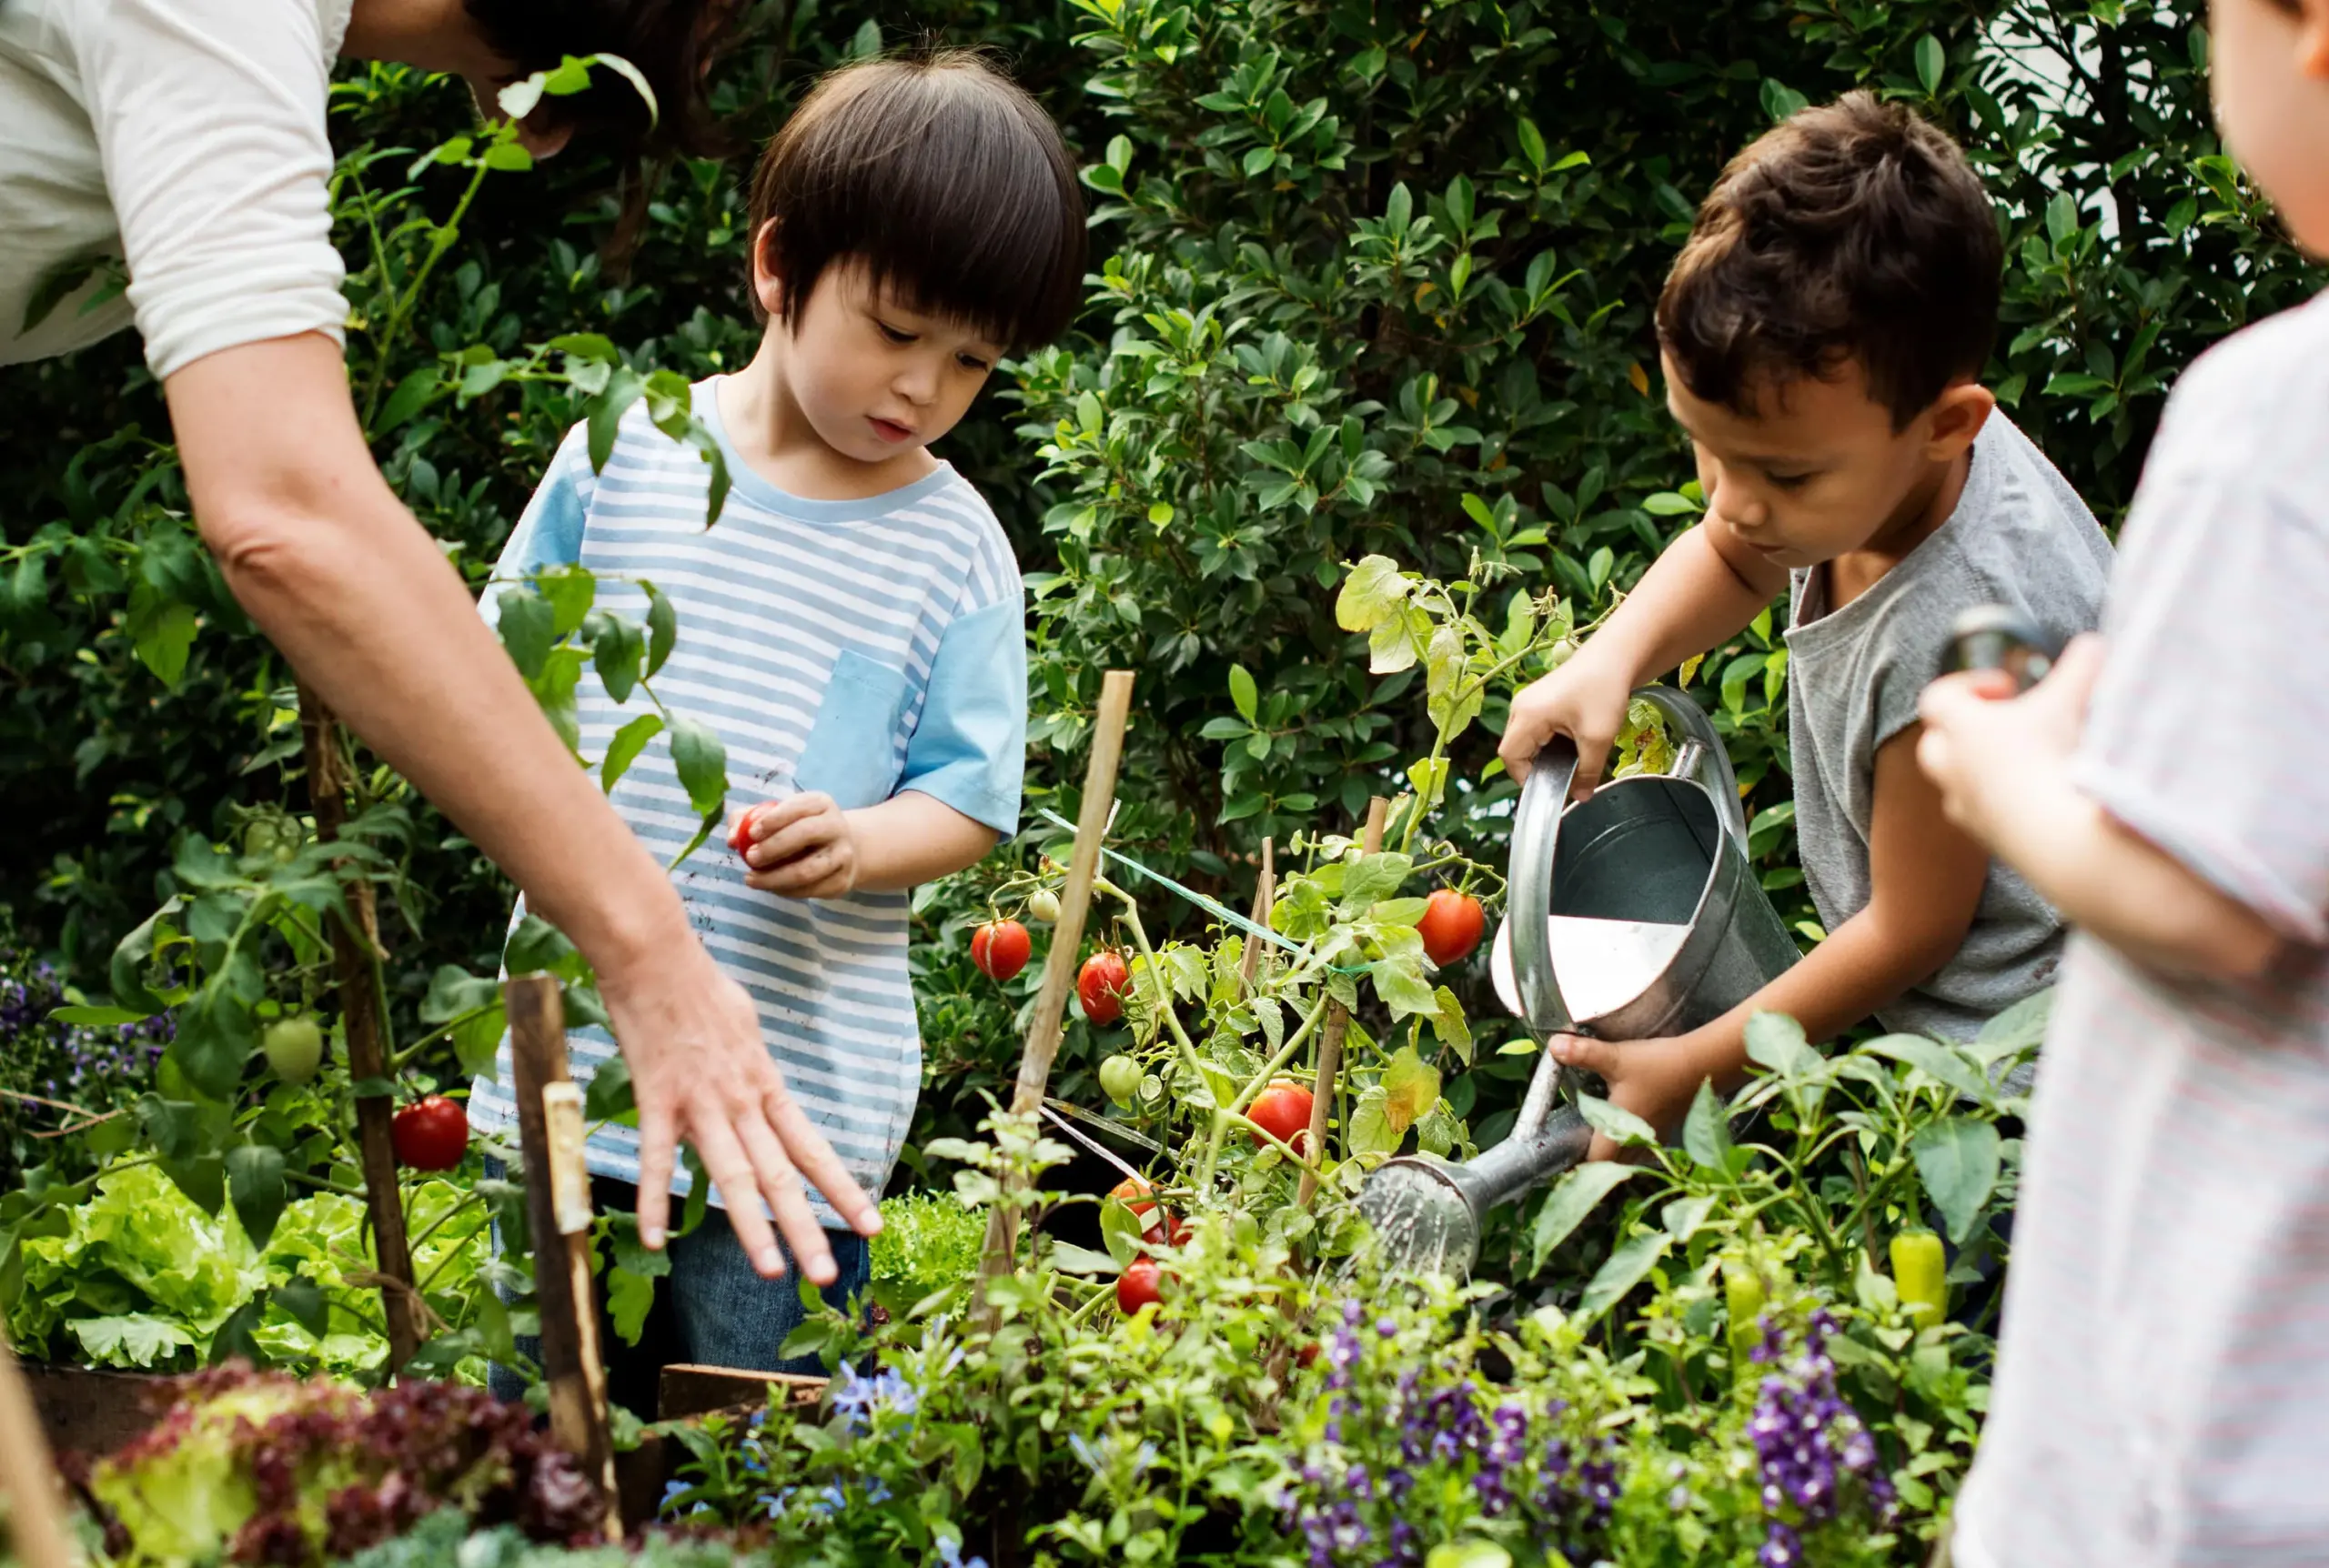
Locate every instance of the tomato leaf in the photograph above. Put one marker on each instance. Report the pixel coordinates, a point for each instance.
(529, 627)
(1410, 1088)
(624, 749)
(662, 627)
(702, 764)
(255, 1186)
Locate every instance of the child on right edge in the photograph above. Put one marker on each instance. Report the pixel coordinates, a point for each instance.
(1822, 334)
(2163, 1379)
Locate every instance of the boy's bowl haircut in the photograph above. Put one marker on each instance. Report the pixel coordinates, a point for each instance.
(1852, 231)
(945, 178)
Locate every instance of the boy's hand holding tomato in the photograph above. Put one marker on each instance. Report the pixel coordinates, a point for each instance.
(802, 847)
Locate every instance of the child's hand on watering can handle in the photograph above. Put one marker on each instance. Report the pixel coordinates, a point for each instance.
(1581, 700)
(1656, 1079)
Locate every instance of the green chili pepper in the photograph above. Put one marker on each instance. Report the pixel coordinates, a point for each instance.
(1742, 1293)
(1920, 1273)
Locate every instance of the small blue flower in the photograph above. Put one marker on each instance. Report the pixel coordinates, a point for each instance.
(950, 1554)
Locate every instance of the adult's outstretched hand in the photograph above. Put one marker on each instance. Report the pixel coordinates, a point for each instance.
(365, 606)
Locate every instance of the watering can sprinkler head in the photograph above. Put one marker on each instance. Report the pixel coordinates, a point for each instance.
(1427, 1213)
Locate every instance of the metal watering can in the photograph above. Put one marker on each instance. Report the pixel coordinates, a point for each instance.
(1633, 914)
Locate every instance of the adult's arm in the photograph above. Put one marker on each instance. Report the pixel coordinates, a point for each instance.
(356, 595)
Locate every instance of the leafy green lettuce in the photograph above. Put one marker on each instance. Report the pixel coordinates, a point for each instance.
(142, 1278)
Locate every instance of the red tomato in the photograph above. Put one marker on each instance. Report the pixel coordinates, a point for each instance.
(431, 1134)
(1166, 1229)
(739, 837)
(1172, 1230)
(1138, 1285)
(1102, 984)
(1000, 949)
(1451, 925)
(1283, 1111)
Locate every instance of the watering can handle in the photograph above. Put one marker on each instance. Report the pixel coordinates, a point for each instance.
(1536, 834)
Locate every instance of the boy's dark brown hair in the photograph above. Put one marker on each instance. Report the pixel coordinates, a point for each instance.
(1852, 231)
(945, 177)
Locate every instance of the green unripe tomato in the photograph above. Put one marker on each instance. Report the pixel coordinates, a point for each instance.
(1043, 905)
(295, 1047)
(1119, 1079)
(259, 839)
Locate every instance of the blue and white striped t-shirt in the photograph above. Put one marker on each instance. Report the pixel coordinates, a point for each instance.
(856, 647)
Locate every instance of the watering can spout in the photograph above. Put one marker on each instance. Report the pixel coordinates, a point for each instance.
(1427, 1213)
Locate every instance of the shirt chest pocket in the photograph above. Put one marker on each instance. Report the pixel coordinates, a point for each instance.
(852, 752)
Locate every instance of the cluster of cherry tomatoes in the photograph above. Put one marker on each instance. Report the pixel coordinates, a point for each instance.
(1001, 948)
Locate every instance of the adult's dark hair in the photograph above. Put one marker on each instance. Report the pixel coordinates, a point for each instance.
(945, 177)
(1852, 231)
(669, 41)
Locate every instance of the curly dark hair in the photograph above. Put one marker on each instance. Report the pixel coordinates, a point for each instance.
(1854, 231)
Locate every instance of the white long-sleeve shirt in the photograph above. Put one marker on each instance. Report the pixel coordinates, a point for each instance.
(185, 138)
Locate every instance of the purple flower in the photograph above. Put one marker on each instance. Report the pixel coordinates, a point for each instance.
(1807, 1444)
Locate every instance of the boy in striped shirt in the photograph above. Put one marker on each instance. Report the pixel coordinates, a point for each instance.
(852, 625)
(2163, 1381)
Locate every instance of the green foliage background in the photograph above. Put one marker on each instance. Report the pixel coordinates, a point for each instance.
(1371, 278)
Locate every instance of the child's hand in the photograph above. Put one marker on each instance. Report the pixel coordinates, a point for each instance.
(800, 846)
(1656, 1079)
(1581, 700)
(1980, 745)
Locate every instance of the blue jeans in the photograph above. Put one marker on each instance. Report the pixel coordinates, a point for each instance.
(711, 1310)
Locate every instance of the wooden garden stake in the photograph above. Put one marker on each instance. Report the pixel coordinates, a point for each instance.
(353, 948)
(1264, 894)
(1044, 1026)
(558, 1212)
(28, 1475)
(1330, 1038)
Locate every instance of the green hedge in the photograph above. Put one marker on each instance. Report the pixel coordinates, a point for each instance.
(1376, 278)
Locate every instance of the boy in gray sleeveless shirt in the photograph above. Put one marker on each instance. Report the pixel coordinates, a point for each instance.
(1822, 332)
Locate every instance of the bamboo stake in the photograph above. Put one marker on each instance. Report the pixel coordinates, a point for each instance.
(557, 1211)
(36, 1531)
(1264, 894)
(1045, 1026)
(354, 947)
(1330, 1036)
